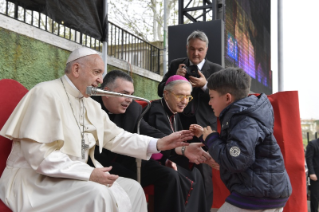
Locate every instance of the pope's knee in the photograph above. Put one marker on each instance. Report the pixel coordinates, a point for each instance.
(99, 191)
(132, 185)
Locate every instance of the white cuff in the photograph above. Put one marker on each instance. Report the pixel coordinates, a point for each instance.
(152, 146)
(204, 88)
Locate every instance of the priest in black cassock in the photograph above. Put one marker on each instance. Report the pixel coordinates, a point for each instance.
(176, 189)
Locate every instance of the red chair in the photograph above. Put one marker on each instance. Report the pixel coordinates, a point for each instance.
(10, 95)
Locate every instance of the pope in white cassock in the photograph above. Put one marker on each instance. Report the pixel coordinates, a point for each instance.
(54, 129)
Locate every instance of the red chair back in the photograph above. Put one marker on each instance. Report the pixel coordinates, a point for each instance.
(142, 103)
(10, 95)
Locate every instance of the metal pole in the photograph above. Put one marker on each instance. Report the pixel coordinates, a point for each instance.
(164, 39)
(280, 49)
(92, 91)
(105, 25)
(180, 11)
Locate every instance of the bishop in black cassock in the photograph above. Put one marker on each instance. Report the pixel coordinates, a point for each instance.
(174, 191)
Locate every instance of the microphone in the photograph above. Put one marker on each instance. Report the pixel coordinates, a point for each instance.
(93, 91)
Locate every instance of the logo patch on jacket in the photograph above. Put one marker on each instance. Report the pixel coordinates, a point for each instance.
(234, 151)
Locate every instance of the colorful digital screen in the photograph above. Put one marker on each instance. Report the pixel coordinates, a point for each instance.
(247, 40)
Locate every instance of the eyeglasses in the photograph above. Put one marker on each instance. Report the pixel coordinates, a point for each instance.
(181, 96)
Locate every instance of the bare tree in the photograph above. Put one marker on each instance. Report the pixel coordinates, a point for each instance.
(144, 18)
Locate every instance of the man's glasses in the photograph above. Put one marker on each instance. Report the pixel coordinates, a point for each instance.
(181, 96)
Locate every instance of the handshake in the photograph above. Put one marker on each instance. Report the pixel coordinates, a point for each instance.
(194, 152)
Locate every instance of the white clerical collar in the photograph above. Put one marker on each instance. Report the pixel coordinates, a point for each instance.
(72, 85)
(169, 107)
(199, 65)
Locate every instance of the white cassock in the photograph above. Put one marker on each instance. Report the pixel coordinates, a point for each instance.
(45, 170)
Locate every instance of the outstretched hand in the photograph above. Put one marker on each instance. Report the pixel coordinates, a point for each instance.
(196, 154)
(102, 176)
(196, 129)
(174, 140)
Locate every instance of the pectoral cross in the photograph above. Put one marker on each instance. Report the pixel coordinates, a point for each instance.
(83, 148)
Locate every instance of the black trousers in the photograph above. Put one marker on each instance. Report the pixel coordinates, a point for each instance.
(205, 170)
(314, 195)
(174, 191)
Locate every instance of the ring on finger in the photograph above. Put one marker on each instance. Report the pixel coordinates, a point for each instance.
(108, 185)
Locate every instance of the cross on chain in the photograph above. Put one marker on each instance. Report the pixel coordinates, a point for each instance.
(83, 148)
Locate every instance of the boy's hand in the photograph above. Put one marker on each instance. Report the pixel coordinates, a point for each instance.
(207, 130)
(196, 129)
(212, 163)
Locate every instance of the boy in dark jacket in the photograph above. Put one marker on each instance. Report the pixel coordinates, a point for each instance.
(251, 163)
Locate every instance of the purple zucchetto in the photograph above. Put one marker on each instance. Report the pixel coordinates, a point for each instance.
(174, 78)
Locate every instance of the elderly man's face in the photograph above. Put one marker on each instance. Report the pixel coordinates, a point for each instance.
(196, 51)
(89, 73)
(177, 99)
(118, 105)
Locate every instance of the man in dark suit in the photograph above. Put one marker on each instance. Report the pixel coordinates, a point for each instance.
(312, 158)
(170, 186)
(197, 111)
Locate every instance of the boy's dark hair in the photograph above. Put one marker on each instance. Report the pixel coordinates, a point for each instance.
(110, 78)
(230, 80)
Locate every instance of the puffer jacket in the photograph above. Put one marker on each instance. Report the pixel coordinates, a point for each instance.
(251, 163)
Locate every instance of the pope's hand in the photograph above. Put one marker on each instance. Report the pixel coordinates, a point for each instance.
(102, 176)
(174, 140)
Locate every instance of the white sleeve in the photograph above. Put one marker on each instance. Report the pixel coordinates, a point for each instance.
(204, 88)
(152, 146)
(47, 160)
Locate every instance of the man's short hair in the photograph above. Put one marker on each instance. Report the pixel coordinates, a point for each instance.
(198, 35)
(80, 61)
(230, 80)
(110, 78)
